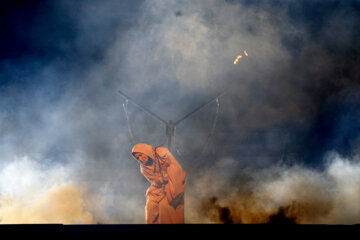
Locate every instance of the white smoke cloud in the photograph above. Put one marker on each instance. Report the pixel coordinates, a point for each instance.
(198, 47)
(346, 177)
(31, 192)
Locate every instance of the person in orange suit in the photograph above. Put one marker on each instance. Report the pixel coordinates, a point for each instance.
(165, 196)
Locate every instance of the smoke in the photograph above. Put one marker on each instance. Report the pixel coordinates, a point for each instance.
(64, 142)
(33, 193)
(281, 194)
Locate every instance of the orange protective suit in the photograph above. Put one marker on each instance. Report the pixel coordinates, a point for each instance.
(165, 196)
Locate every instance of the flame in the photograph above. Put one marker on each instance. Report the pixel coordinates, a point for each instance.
(240, 56)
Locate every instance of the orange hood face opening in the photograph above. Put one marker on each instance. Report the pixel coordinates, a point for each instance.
(145, 149)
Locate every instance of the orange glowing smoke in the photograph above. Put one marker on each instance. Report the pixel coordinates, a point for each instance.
(285, 194)
(60, 204)
(240, 56)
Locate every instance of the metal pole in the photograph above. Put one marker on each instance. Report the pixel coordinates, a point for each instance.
(169, 142)
(170, 132)
(197, 109)
(143, 108)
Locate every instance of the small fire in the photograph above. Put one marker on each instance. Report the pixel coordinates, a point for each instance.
(240, 56)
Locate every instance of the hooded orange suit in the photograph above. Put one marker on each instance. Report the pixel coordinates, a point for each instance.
(165, 196)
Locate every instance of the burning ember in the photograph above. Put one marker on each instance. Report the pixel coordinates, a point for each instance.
(240, 56)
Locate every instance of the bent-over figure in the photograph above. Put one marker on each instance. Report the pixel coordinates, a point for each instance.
(165, 196)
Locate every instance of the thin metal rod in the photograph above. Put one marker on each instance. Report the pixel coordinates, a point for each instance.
(128, 122)
(169, 142)
(213, 126)
(208, 139)
(198, 108)
(143, 108)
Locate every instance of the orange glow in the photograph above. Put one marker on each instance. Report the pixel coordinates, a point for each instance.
(60, 204)
(240, 56)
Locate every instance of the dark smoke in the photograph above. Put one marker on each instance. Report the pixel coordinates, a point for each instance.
(215, 212)
(281, 217)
